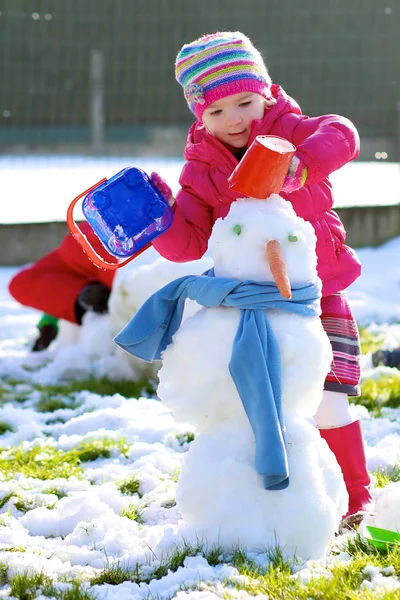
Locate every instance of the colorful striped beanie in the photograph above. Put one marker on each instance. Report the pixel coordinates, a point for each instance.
(218, 65)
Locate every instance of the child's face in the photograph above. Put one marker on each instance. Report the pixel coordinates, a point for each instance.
(229, 120)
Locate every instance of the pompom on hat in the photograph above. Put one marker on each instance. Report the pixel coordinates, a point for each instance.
(218, 65)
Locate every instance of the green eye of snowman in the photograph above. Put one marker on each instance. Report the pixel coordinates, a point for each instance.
(292, 237)
(237, 229)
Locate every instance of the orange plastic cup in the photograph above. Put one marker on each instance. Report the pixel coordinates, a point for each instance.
(263, 168)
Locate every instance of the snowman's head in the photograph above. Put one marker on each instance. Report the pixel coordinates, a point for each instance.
(239, 242)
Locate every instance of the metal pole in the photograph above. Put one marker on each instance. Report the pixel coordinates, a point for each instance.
(398, 131)
(97, 118)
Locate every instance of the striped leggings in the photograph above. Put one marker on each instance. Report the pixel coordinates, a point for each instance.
(340, 326)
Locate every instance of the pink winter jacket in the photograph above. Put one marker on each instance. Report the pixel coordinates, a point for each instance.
(324, 144)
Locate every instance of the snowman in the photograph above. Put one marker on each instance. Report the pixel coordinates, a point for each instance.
(248, 371)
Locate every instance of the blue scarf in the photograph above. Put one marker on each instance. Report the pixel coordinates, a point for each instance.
(255, 363)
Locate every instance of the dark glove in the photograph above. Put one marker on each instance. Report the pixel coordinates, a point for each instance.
(48, 330)
(47, 334)
(387, 358)
(94, 296)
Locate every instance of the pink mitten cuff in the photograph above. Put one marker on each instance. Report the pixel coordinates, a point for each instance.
(296, 176)
(162, 187)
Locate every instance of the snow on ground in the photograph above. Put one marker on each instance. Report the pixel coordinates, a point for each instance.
(45, 185)
(84, 530)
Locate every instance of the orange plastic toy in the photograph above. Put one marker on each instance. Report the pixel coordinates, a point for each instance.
(263, 168)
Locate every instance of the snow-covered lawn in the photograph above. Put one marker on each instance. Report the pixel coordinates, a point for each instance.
(88, 486)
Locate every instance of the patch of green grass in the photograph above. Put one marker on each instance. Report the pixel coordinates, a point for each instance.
(3, 574)
(5, 499)
(93, 449)
(23, 505)
(346, 581)
(185, 438)
(39, 461)
(276, 581)
(14, 391)
(64, 396)
(50, 397)
(133, 512)
(279, 561)
(370, 342)
(339, 584)
(115, 574)
(76, 591)
(241, 561)
(175, 559)
(25, 586)
(215, 556)
(379, 393)
(278, 572)
(55, 491)
(342, 580)
(26, 504)
(358, 546)
(175, 475)
(51, 403)
(129, 486)
(101, 386)
(4, 426)
(387, 476)
(46, 462)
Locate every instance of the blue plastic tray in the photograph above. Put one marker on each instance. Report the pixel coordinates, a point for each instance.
(127, 212)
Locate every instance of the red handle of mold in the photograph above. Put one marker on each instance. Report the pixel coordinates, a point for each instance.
(97, 260)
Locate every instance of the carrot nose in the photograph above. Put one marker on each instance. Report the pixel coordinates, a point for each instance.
(273, 252)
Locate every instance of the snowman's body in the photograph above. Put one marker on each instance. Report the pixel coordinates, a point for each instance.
(220, 494)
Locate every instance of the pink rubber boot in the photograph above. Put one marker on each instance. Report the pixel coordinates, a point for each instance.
(347, 445)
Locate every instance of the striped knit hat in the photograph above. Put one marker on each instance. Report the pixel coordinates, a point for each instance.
(218, 65)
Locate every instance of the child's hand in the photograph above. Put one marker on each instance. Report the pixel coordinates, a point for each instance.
(296, 176)
(162, 187)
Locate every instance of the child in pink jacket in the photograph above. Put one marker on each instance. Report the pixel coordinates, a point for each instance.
(227, 86)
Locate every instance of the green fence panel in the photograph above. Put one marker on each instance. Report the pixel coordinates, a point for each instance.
(340, 56)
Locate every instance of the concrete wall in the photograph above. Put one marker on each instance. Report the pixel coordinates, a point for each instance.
(22, 243)
(27, 242)
(370, 225)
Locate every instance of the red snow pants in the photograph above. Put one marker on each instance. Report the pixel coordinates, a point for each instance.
(53, 283)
